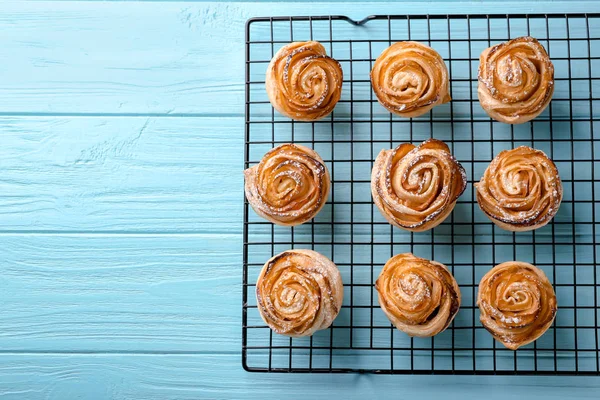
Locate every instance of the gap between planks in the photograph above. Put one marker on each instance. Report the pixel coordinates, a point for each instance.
(123, 115)
(113, 352)
(212, 234)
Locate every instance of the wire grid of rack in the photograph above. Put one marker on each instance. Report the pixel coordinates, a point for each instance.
(351, 232)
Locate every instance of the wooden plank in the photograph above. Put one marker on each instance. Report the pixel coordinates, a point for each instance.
(129, 377)
(159, 174)
(155, 57)
(133, 293)
(119, 58)
(182, 293)
(120, 174)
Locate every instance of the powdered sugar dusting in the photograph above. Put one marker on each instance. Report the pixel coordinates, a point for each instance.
(299, 292)
(520, 187)
(419, 187)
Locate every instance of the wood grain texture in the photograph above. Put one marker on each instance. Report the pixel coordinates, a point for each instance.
(118, 121)
(160, 293)
(166, 175)
(129, 377)
(99, 174)
(112, 293)
(153, 57)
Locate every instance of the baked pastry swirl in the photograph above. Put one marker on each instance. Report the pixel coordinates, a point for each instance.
(302, 82)
(410, 78)
(520, 190)
(420, 297)
(516, 80)
(289, 186)
(299, 292)
(517, 303)
(416, 187)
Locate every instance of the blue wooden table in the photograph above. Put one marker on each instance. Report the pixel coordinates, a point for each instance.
(121, 151)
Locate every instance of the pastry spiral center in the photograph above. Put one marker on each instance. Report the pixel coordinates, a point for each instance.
(510, 71)
(309, 81)
(412, 287)
(518, 75)
(520, 181)
(291, 294)
(287, 181)
(408, 82)
(418, 181)
(313, 79)
(516, 298)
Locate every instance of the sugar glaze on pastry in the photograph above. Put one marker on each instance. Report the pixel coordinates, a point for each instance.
(516, 80)
(299, 292)
(410, 78)
(517, 303)
(416, 187)
(289, 186)
(520, 190)
(419, 296)
(303, 82)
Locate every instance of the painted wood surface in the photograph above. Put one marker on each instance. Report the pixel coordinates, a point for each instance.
(121, 127)
(120, 174)
(218, 376)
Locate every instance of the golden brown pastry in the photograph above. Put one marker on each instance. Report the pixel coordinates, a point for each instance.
(302, 82)
(410, 78)
(420, 297)
(289, 186)
(299, 292)
(517, 303)
(520, 190)
(516, 80)
(416, 188)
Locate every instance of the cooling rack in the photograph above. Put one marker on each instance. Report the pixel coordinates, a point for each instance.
(351, 232)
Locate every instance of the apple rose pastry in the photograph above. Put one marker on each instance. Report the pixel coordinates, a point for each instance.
(410, 78)
(516, 80)
(520, 190)
(420, 297)
(289, 186)
(299, 292)
(416, 187)
(302, 82)
(517, 303)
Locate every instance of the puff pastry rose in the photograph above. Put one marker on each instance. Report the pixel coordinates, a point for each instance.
(420, 297)
(410, 78)
(302, 82)
(516, 80)
(289, 186)
(299, 292)
(416, 187)
(520, 190)
(517, 303)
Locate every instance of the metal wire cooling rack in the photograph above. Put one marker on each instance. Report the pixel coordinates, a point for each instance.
(356, 237)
